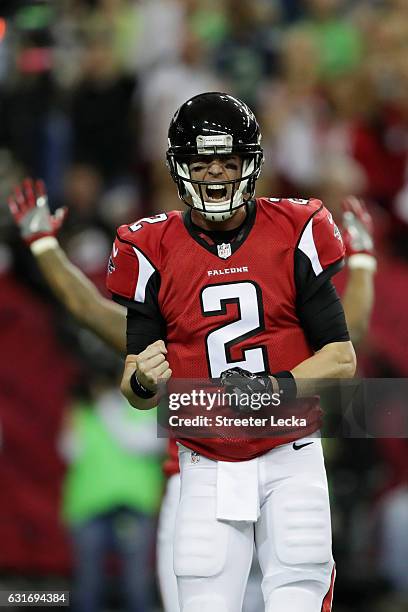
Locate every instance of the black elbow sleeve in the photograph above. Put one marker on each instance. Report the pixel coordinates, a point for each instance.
(322, 317)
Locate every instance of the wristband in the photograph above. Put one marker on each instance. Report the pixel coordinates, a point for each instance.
(287, 385)
(43, 244)
(139, 389)
(362, 261)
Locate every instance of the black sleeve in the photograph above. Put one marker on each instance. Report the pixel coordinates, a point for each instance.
(307, 282)
(322, 317)
(142, 330)
(145, 323)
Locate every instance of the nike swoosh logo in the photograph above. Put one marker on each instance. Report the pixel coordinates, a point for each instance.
(299, 446)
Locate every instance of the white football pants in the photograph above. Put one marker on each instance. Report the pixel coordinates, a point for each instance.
(212, 557)
(165, 536)
(165, 571)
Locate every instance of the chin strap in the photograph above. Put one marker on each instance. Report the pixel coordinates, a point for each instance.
(216, 217)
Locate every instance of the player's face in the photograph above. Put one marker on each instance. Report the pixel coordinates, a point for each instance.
(215, 170)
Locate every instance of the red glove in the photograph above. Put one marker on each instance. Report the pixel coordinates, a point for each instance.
(29, 207)
(357, 226)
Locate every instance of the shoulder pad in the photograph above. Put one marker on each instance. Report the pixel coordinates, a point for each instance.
(290, 214)
(309, 204)
(145, 228)
(146, 233)
(135, 255)
(321, 241)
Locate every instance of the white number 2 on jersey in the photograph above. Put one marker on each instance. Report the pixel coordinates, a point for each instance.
(155, 219)
(248, 297)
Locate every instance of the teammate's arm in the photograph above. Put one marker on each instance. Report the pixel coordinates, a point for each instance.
(82, 299)
(38, 228)
(358, 300)
(358, 297)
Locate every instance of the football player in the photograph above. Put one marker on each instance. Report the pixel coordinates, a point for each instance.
(38, 228)
(237, 287)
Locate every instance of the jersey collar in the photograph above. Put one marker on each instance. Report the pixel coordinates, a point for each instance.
(209, 240)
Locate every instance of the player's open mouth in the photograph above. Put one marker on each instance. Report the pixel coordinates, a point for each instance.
(215, 193)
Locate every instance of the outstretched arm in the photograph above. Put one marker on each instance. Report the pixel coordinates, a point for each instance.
(82, 299)
(38, 228)
(358, 297)
(358, 300)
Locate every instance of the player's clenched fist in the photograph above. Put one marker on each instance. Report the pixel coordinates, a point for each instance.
(29, 206)
(151, 364)
(143, 371)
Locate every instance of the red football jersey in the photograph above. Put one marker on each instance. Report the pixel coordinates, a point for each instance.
(230, 304)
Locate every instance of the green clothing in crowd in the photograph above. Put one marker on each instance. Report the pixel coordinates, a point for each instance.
(104, 475)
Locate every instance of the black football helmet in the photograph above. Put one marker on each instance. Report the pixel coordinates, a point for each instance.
(214, 124)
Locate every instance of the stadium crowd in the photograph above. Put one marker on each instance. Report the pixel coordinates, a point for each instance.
(87, 90)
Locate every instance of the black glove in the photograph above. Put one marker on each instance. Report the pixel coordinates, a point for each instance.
(243, 384)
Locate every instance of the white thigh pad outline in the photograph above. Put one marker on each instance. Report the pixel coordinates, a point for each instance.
(201, 542)
(301, 523)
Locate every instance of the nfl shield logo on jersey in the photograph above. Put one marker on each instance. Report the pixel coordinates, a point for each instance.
(224, 250)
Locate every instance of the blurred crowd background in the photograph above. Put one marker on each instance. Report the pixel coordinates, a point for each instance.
(87, 90)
